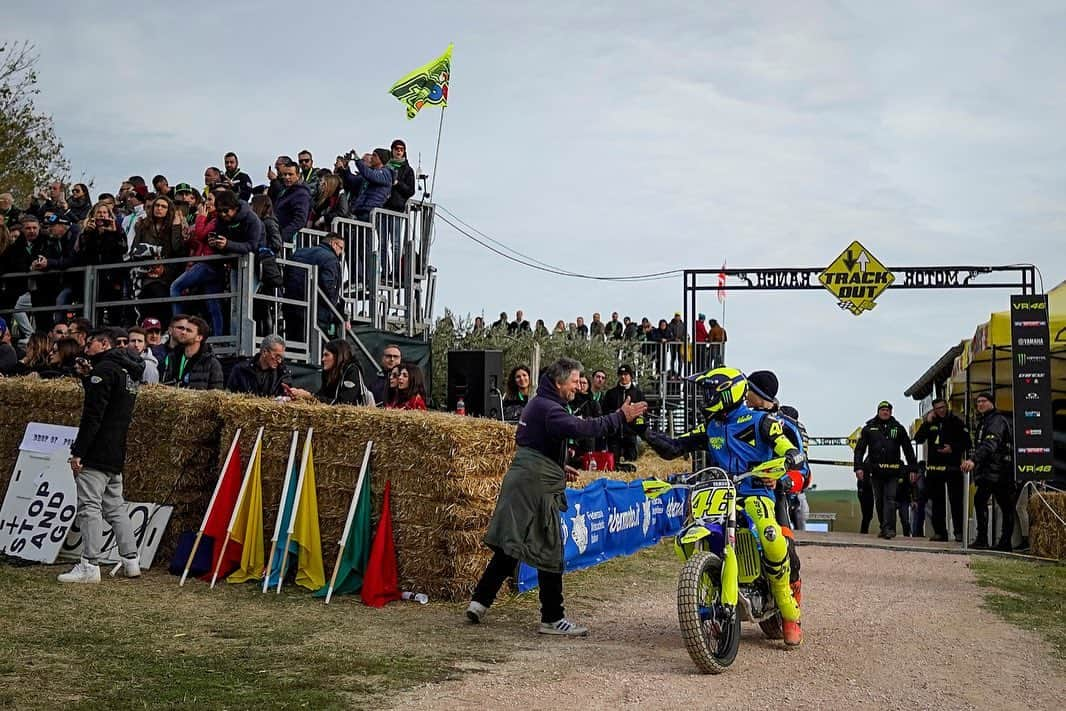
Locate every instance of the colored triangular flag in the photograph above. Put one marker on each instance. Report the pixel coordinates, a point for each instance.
(381, 585)
(306, 540)
(246, 548)
(282, 527)
(426, 85)
(217, 520)
(352, 564)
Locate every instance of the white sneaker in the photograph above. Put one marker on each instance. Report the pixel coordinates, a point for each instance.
(131, 567)
(563, 627)
(82, 572)
(475, 611)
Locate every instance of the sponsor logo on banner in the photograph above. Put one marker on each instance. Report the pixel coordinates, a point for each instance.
(1032, 396)
(1034, 433)
(1029, 359)
(1030, 324)
(1031, 469)
(580, 534)
(1030, 341)
(618, 521)
(1032, 413)
(1034, 450)
(647, 517)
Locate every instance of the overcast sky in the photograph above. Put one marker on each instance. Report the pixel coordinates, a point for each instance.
(622, 138)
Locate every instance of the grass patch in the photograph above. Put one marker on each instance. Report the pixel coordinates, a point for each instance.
(843, 502)
(1029, 595)
(149, 644)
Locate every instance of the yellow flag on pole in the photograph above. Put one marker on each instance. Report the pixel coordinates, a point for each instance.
(310, 570)
(247, 528)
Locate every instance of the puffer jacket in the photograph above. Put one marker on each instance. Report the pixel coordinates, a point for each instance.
(110, 394)
(993, 455)
(371, 188)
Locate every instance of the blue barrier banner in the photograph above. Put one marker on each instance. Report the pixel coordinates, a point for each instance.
(608, 519)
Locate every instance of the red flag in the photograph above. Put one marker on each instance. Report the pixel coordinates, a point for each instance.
(721, 284)
(381, 584)
(218, 517)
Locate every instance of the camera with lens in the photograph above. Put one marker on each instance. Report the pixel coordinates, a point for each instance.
(349, 156)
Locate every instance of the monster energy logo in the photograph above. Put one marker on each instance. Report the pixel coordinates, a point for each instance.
(717, 442)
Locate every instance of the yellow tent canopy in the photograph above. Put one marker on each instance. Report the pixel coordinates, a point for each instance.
(986, 358)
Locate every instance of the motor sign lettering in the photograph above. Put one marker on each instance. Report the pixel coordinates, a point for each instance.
(856, 278)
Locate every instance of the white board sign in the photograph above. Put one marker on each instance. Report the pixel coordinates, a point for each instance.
(45, 438)
(148, 522)
(39, 507)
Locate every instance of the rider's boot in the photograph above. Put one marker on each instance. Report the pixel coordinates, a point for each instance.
(793, 633)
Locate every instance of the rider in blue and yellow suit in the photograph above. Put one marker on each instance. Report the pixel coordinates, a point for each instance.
(737, 439)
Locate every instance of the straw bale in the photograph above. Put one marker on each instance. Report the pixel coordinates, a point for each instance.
(1047, 535)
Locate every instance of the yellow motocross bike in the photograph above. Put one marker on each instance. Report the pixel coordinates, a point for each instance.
(722, 581)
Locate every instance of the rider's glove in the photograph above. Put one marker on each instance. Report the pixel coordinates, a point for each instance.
(794, 459)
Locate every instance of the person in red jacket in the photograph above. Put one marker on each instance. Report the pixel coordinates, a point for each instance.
(410, 390)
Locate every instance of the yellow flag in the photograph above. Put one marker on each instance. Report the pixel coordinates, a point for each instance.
(248, 525)
(310, 572)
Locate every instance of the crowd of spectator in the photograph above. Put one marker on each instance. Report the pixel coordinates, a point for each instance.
(61, 227)
(624, 329)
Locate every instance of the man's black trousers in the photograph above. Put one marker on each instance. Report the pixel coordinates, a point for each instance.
(939, 482)
(866, 503)
(885, 492)
(1003, 492)
(503, 566)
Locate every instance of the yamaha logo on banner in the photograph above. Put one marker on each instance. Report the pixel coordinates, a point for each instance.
(1031, 370)
(608, 519)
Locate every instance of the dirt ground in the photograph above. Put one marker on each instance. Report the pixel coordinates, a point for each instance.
(884, 630)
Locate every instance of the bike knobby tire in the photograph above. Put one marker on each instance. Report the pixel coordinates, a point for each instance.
(700, 586)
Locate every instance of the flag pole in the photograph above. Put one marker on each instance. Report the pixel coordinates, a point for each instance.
(210, 505)
(237, 506)
(436, 153)
(348, 522)
(295, 503)
(281, 510)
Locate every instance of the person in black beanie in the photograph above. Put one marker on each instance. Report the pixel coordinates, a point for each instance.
(877, 455)
(992, 464)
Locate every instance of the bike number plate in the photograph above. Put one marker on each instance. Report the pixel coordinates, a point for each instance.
(712, 500)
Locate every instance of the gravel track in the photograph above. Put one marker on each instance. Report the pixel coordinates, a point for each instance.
(884, 630)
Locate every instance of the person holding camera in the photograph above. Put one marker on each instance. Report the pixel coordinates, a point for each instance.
(370, 186)
(236, 179)
(102, 241)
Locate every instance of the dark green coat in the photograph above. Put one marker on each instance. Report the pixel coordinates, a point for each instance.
(525, 524)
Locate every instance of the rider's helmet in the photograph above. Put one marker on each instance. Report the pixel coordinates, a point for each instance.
(722, 389)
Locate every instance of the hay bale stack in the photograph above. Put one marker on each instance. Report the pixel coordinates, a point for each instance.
(1047, 535)
(445, 474)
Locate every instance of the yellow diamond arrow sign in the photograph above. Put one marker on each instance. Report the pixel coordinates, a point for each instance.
(856, 278)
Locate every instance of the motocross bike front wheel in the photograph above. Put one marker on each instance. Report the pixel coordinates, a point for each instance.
(710, 630)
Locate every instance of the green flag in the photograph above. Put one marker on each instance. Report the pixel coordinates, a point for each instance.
(426, 85)
(353, 560)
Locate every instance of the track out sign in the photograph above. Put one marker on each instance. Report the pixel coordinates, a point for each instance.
(856, 278)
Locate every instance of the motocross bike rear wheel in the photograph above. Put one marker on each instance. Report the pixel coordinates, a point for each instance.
(711, 633)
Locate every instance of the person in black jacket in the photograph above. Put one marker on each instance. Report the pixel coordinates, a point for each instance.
(877, 456)
(342, 378)
(190, 363)
(992, 464)
(110, 378)
(236, 179)
(624, 443)
(264, 374)
(326, 255)
(946, 441)
(238, 230)
(403, 184)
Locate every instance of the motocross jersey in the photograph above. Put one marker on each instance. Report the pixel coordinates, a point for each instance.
(742, 440)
